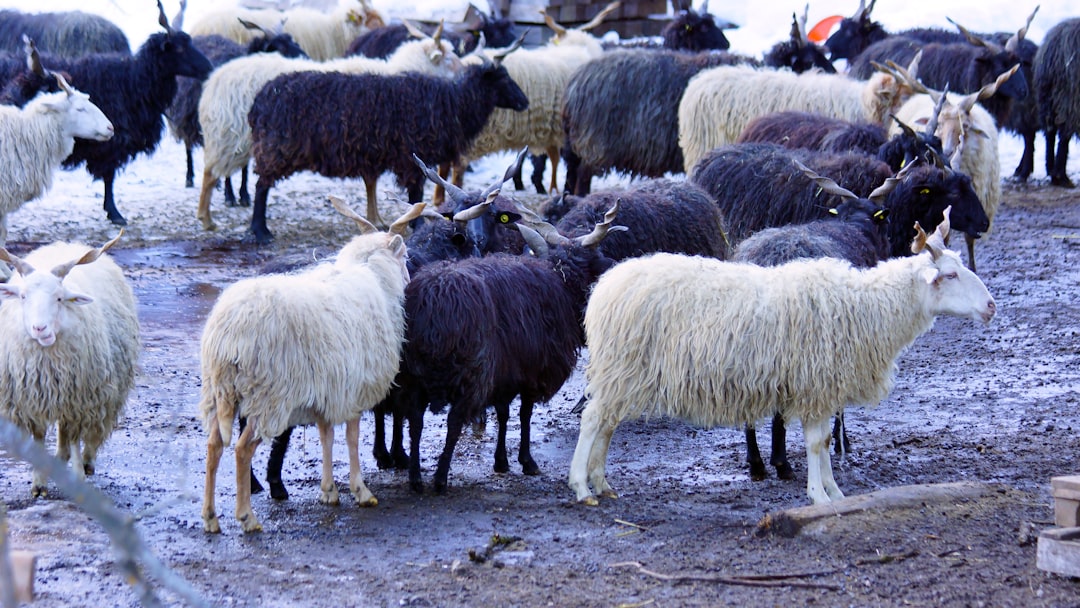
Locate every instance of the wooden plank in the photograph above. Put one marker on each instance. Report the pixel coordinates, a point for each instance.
(1059, 551)
(791, 522)
(23, 566)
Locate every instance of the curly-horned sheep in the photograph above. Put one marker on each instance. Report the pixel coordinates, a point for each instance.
(718, 103)
(737, 175)
(628, 87)
(349, 315)
(344, 125)
(230, 91)
(799, 54)
(65, 34)
(459, 349)
(694, 31)
(855, 33)
(183, 113)
(1057, 83)
(69, 342)
(722, 343)
(133, 91)
(34, 140)
(23, 79)
(323, 36)
(496, 31)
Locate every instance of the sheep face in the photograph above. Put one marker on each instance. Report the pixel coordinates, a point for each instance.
(507, 93)
(45, 302)
(957, 291)
(694, 31)
(282, 44)
(179, 56)
(82, 118)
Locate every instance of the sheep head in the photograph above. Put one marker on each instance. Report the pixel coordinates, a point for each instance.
(45, 299)
(954, 289)
(561, 31)
(83, 119)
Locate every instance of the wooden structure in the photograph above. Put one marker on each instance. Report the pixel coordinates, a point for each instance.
(633, 18)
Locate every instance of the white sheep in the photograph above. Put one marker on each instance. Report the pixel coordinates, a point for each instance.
(231, 89)
(323, 36)
(542, 73)
(719, 102)
(722, 343)
(69, 343)
(34, 141)
(965, 126)
(321, 346)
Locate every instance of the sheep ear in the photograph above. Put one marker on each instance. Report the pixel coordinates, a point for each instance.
(9, 291)
(76, 299)
(397, 246)
(929, 275)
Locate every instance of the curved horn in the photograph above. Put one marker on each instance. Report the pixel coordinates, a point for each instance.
(16, 262)
(437, 36)
(969, 100)
(33, 58)
(932, 124)
(456, 194)
(413, 30)
(800, 25)
(511, 171)
(602, 229)
(908, 131)
(559, 30)
(498, 57)
(890, 184)
(255, 26)
(62, 270)
(401, 225)
(827, 185)
(1013, 43)
(162, 19)
(549, 232)
(178, 20)
(860, 11)
(63, 84)
(972, 38)
(362, 223)
(479, 209)
(599, 18)
(533, 240)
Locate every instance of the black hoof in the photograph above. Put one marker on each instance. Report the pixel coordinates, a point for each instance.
(417, 486)
(1062, 182)
(256, 487)
(117, 219)
(783, 471)
(189, 183)
(757, 472)
(530, 468)
(258, 239)
(384, 461)
(277, 490)
(502, 467)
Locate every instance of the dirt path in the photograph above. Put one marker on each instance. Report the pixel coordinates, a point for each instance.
(996, 405)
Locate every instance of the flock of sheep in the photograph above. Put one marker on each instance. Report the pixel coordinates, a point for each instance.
(816, 209)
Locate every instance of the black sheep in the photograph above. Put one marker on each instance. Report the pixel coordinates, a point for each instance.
(694, 31)
(620, 112)
(1057, 82)
(133, 91)
(827, 134)
(66, 34)
(798, 54)
(342, 125)
(183, 113)
(673, 216)
(485, 330)
(855, 34)
(381, 42)
(852, 234)
(737, 176)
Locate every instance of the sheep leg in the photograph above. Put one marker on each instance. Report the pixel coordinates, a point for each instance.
(584, 459)
(203, 215)
(553, 156)
(329, 493)
(454, 423)
(259, 232)
(189, 177)
(227, 190)
(778, 457)
(839, 434)
(256, 487)
(63, 444)
(502, 415)
(525, 459)
(1050, 133)
(1027, 159)
(416, 429)
(820, 485)
(111, 211)
(214, 447)
(753, 454)
(539, 163)
(397, 449)
(39, 481)
(243, 195)
(444, 172)
(1060, 176)
(278, 447)
(245, 449)
(382, 456)
(360, 492)
(970, 240)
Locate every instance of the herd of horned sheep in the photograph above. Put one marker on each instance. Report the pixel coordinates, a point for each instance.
(473, 300)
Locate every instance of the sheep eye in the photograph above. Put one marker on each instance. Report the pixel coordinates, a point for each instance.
(924, 191)
(950, 275)
(504, 218)
(689, 28)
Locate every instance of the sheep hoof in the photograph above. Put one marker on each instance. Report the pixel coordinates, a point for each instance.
(189, 183)
(369, 502)
(530, 468)
(502, 467)
(208, 224)
(250, 524)
(212, 526)
(117, 219)
(88, 468)
(785, 472)
(417, 486)
(330, 497)
(278, 491)
(609, 493)
(38, 491)
(590, 501)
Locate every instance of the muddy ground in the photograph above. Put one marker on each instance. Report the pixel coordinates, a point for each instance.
(996, 405)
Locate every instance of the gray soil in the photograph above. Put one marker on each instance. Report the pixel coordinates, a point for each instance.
(995, 405)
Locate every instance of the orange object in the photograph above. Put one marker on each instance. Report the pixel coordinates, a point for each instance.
(820, 32)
